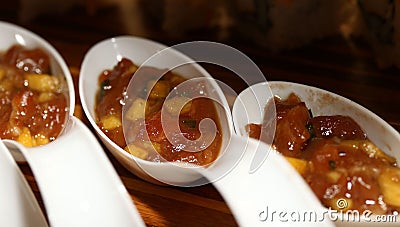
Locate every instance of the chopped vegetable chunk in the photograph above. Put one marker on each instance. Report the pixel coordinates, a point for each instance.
(34, 103)
(149, 139)
(345, 170)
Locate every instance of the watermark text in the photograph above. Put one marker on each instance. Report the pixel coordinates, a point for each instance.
(271, 215)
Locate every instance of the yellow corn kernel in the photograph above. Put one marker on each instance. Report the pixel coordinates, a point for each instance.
(44, 83)
(178, 105)
(389, 181)
(152, 146)
(25, 138)
(157, 147)
(299, 164)
(110, 122)
(136, 151)
(46, 96)
(40, 139)
(159, 89)
(6, 85)
(137, 110)
(369, 148)
(132, 69)
(333, 176)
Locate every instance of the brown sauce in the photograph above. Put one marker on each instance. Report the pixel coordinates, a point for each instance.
(34, 103)
(110, 101)
(336, 159)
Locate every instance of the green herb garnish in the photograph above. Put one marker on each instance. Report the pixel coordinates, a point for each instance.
(332, 164)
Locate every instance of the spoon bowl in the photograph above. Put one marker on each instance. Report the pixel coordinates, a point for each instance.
(139, 50)
(19, 206)
(77, 182)
(247, 110)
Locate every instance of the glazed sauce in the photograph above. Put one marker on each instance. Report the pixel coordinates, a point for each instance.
(30, 113)
(340, 160)
(110, 101)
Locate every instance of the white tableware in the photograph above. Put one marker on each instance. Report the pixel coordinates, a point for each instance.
(77, 182)
(275, 185)
(18, 207)
(248, 108)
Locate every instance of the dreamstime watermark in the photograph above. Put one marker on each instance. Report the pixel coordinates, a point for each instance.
(273, 215)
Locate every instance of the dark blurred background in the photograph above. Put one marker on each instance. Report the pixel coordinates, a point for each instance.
(346, 46)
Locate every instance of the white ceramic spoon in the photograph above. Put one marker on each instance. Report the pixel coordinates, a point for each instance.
(18, 207)
(247, 110)
(77, 182)
(274, 186)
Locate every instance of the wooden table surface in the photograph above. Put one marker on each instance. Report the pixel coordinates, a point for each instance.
(333, 64)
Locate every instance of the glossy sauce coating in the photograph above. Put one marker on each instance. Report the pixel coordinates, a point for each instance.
(110, 100)
(34, 103)
(336, 159)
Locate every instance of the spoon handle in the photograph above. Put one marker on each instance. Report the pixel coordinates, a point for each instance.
(78, 183)
(260, 198)
(18, 206)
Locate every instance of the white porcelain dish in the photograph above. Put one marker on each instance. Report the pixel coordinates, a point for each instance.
(248, 194)
(18, 207)
(105, 55)
(247, 110)
(77, 182)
